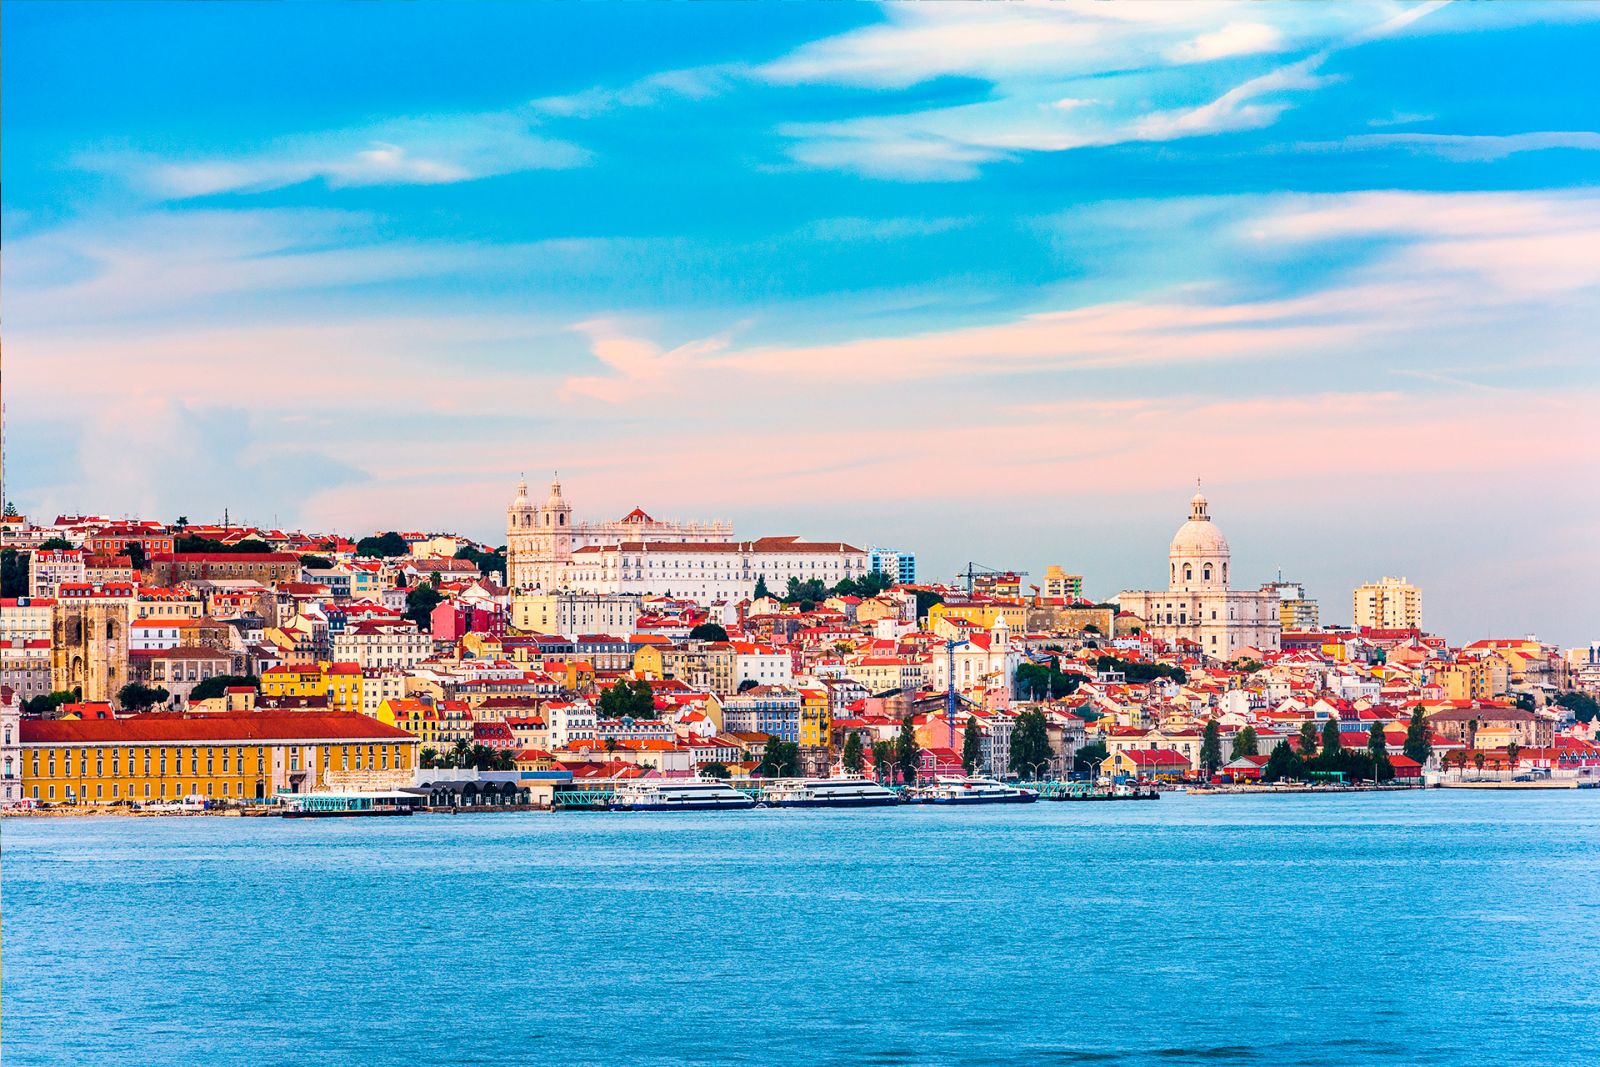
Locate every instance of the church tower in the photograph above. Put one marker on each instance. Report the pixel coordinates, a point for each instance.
(1199, 555)
(520, 517)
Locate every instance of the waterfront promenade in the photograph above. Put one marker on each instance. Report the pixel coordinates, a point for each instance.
(1308, 929)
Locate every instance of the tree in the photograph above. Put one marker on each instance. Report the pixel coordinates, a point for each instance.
(1417, 746)
(1478, 759)
(1331, 745)
(715, 769)
(611, 747)
(1211, 747)
(1377, 744)
(13, 573)
(196, 543)
(46, 704)
(926, 599)
(1526, 702)
(1308, 739)
(181, 522)
(383, 546)
(1245, 743)
(1282, 764)
(1045, 679)
(780, 759)
(1030, 744)
(971, 745)
(137, 697)
(1513, 753)
(135, 553)
(1584, 707)
(459, 753)
(627, 699)
(487, 562)
(316, 563)
(430, 757)
(54, 544)
(708, 631)
(218, 684)
(420, 602)
(855, 756)
(761, 588)
(882, 758)
(1089, 757)
(905, 751)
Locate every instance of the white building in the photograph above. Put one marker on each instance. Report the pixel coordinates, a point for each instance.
(571, 614)
(570, 721)
(48, 568)
(712, 572)
(10, 748)
(1198, 606)
(761, 664)
(375, 643)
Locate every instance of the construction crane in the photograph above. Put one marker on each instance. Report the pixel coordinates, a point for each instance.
(978, 570)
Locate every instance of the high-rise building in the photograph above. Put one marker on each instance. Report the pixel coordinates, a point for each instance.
(1388, 604)
(901, 567)
(1296, 611)
(1059, 585)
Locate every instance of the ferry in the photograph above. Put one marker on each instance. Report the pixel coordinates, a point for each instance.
(333, 805)
(952, 790)
(679, 794)
(829, 793)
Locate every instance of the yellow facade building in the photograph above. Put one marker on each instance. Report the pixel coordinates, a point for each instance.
(339, 682)
(228, 756)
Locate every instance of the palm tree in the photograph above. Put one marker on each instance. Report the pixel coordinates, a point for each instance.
(1513, 752)
(1477, 761)
(460, 752)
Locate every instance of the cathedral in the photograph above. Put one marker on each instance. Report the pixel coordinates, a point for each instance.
(541, 538)
(1198, 607)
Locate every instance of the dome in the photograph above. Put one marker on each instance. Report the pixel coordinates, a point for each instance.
(554, 500)
(1198, 537)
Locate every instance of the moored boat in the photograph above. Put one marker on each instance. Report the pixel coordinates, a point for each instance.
(347, 805)
(829, 793)
(679, 794)
(952, 790)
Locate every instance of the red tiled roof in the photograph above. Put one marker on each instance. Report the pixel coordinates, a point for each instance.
(249, 727)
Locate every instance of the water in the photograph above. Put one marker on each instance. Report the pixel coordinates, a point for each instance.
(1417, 928)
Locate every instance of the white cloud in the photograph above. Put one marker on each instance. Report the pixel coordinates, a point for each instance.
(437, 150)
(1466, 148)
(1234, 39)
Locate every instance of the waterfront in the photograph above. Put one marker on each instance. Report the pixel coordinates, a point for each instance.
(1425, 927)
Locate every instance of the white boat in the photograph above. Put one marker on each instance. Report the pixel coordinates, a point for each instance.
(829, 793)
(952, 790)
(678, 794)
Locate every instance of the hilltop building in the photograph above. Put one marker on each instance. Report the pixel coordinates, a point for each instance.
(1387, 604)
(1198, 607)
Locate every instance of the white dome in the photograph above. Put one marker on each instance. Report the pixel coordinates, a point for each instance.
(1198, 537)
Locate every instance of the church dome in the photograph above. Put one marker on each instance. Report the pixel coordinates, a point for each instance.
(1198, 537)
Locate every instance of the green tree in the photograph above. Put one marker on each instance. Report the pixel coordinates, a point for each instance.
(217, 684)
(1031, 753)
(430, 757)
(708, 631)
(1377, 744)
(13, 573)
(134, 550)
(971, 745)
(1245, 742)
(459, 753)
(1417, 746)
(316, 563)
(1211, 747)
(855, 756)
(905, 751)
(137, 697)
(1584, 707)
(1044, 680)
(882, 757)
(383, 546)
(1331, 745)
(761, 588)
(1308, 739)
(781, 759)
(55, 544)
(487, 562)
(627, 699)
(420, 602)
(1513, 754)
(1282, 764)
(1478, 760)
(181, 522)
(926, 599)
(196, 543)
(715, 769)
(1088, 758)
(46, 704)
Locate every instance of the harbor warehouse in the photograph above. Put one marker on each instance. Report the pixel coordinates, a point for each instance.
(229, 756)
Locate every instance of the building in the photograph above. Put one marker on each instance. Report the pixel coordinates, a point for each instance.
(1198, 607)
(373, 643)
(10, 748)
(764, 709)
(571, 614)
(900, 567)
(1297, 613)
(227, 756)
(268, 568)
(541, 538)
(178, 669)
(1387, 604)
(1059, 585)
(49, 567)
(338, 683)
(89, 638)
(728, 571)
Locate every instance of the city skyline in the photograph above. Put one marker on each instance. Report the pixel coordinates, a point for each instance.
(994, 288)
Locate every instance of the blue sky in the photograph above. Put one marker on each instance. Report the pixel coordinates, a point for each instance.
(985, 281)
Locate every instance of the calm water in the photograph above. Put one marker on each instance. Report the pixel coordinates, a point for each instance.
(1409, 929)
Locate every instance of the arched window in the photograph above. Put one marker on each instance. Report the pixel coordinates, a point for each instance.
(1188, 573)
(1208, 572)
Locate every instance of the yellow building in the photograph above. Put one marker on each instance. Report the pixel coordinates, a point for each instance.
(1059, 585)
(1474, 679)
(228, 756)
(1388, 604)
(981, 613)
(815, 720)
(339, 682)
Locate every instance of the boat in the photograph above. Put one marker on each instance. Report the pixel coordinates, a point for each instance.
(829, 793)
(953, 790)
(678, 794)
(347, 805)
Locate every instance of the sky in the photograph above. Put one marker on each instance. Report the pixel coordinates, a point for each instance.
(986, 282)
